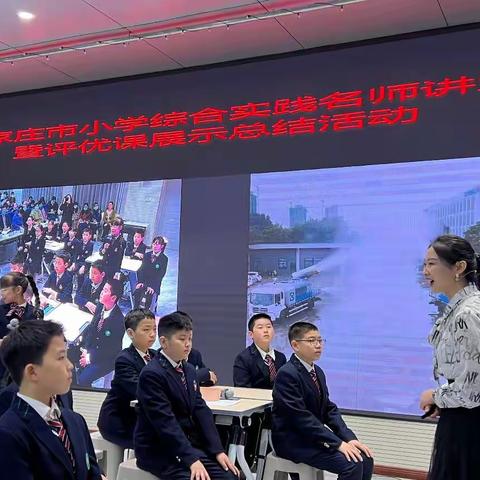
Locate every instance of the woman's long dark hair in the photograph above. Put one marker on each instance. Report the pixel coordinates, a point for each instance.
(17, 279)
(452, 249)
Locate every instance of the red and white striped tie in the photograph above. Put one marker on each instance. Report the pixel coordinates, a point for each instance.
(60, 430)
(315, 379)
(179, 369)
(271, 367)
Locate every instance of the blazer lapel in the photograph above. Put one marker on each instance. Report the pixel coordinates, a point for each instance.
(82, 463)
(42, 431)
(139, 361)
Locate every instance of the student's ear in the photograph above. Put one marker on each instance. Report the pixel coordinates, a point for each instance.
(163, 341)
(29, 372)
(250, 334)
(294, 345)
(130, 333)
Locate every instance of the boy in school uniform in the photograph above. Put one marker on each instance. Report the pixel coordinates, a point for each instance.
(88, 296)
(114, 248)
(85, 249)
(175, 436)
(257, 365)
(151, 273)
(59, 284)
(101, 341)
(117, 418)
(38, 439)
(307, 426)
(136, 250)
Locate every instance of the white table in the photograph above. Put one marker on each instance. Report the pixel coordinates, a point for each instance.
(53, 246)
(70, 317)
(128, 264)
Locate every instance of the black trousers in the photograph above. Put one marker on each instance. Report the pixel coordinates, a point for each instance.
(182, 472)
(336, 462)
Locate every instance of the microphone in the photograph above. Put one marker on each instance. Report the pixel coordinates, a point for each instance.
(227, 394)
(429, 412)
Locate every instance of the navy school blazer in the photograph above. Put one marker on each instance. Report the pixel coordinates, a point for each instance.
(174, 424)
(301, 415)
(64, 287)
(29, 450)
(117, 418)
(249, 369)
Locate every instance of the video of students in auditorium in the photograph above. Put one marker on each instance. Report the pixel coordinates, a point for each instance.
(95, 252)
(343, 248)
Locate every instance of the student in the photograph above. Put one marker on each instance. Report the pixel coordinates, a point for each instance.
(257, 365)
(85, 249)
(117, 418)
(307, 425)
(16, 264)
(72, 247)
(175, 437)
(88, 295)
(52, 209)
(63, 234)
(36, 251)
(85, 218)
(27, 237)
(114, 248)
(39, 440)
(13, 286)
(59, 284)
(151, 273)
(136, 249)
(101, 341)
(52, 231)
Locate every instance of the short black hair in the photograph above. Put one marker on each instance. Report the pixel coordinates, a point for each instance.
(140, 232)
(258, 316)
(26, 344)
(116, 288)
(135, 316)
(173, 323)
(299, 329)
(65, 256)
(86, 230)
(99, 265)
(118, 222)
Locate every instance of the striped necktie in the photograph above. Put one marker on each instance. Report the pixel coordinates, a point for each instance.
(315, 379)
(59, 429)
(271, 367)
(147, 357)
(101, 321)
(179, 369)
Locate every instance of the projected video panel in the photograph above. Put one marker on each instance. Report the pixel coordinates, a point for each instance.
(96, 252)
(343, 248)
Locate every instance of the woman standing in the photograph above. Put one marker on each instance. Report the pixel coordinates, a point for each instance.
(451, 267)
(109, 215)
(66, 209)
